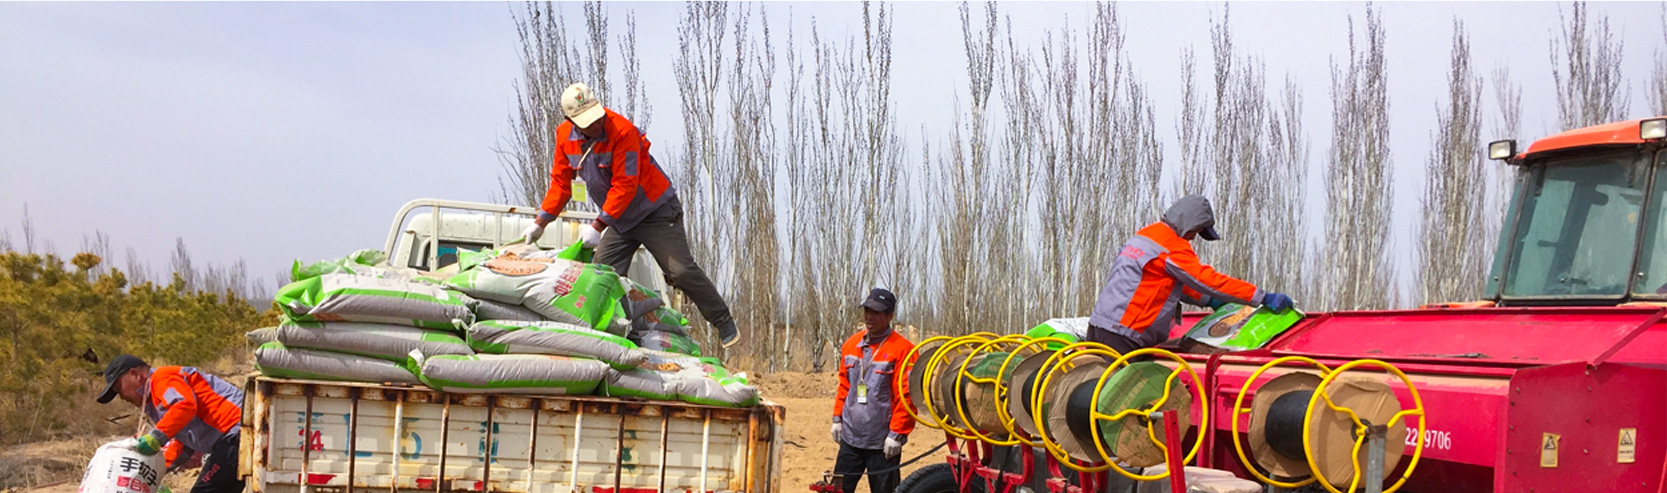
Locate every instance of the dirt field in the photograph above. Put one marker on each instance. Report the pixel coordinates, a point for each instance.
(55, 466)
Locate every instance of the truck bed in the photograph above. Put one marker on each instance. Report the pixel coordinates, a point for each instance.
(341, 436)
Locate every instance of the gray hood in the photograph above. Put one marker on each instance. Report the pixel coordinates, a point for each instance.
(1192, 214)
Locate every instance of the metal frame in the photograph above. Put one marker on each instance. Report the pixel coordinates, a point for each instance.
(257, 429)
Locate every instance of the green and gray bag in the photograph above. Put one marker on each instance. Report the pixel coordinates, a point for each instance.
(341, 297)
(274, 360)
(512, 373)
(522, 337)
(389, 342)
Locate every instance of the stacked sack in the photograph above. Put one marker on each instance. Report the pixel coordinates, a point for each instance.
(672, 376)
(518, 320)
(349, 320)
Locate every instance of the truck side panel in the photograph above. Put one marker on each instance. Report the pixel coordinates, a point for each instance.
(388, 438)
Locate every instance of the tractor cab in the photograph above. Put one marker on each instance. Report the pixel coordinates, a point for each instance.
(1587, 220)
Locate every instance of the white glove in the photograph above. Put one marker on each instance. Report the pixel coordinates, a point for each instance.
(533, 233)
(894, 448)
(590, 236)
(834, 432)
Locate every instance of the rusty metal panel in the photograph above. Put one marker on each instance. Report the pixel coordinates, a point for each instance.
(365, 437)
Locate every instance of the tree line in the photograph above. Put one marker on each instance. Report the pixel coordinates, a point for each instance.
(802, 189)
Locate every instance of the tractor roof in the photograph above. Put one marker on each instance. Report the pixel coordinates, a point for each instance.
(1617, 133)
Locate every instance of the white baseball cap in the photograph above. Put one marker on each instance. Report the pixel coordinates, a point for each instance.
(579, 103)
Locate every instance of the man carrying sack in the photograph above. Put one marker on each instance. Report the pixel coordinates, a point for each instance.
(195, 414)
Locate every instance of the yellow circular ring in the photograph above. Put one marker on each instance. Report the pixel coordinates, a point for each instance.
(905, 367)
(1238, 408)
(1319, 393)
(1096, 416)
(927, 380)
(1055, 362)
(1002, 389)
(960, 380)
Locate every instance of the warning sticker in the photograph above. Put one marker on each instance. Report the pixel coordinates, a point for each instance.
(1626, 453)
(1548, 449)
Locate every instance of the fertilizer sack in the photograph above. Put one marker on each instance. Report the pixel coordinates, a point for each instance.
(343, 297)
(384, 341)
(558, 289)
(364, 262)
(274, 360)
(512, 373)
(118, 467)
(260, 336)
(694, 380)
(1070, 329)
(647, 310)
(486, 309)
(1235, 327)
(662, 340)
(504, 337)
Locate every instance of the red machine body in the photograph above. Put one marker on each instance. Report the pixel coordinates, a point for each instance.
(1498, 384)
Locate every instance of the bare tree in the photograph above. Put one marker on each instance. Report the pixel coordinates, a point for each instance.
(1586, 67)
(549, 63)
(180, 263)
(1358, 271)
(1658, 77)
(1453, 248)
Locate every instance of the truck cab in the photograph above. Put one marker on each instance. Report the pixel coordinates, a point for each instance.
(1587, 221)
(428, 234)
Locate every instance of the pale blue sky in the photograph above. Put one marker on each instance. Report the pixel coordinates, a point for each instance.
(276, 131)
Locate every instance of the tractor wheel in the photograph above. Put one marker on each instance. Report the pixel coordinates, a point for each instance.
(936, 478)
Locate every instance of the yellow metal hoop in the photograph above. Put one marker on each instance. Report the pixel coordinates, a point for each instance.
(1238, 408)
(960, 380)
(927, 380)
(1055, 362)
(1007, 419)
(906, 367)
(1096, 416)
(1360, 436)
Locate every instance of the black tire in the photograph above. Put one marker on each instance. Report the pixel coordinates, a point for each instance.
(936, 478)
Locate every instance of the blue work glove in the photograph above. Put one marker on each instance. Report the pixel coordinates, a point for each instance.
(1216, 303)
(148, 445)
(1278, 302)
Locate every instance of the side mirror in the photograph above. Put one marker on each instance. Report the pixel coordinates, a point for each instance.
(1501, 150)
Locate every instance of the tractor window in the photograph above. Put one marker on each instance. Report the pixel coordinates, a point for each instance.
(1652, 265)
(1579, 227)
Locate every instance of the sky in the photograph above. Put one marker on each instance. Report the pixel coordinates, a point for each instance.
(279, 131)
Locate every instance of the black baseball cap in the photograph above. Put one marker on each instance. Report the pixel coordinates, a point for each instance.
(880, 300)
(114, 371)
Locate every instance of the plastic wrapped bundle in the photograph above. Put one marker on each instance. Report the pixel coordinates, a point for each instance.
(523, 337)
(274, 360)
(512, 374)
(384, 341)
(342, 297)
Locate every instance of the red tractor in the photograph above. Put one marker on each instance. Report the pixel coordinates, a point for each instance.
(1555, 381)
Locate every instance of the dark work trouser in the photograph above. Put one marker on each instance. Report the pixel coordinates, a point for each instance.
(662, 234)
(220, 468)
(1116, 341)
(852, 462)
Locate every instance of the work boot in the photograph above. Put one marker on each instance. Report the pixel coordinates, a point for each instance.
(728, 334)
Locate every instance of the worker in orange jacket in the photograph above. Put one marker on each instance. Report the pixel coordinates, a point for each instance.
(195, 414)
(1156, 270)
(869, 420)
(639, 205)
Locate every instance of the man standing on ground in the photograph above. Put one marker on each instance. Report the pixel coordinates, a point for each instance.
(1157, 270)
(195, 413)
(869, 421)
(639, 205)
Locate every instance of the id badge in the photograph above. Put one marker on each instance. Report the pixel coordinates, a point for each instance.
(862, 393)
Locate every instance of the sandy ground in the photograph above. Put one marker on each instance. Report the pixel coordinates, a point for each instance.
(56, 466)
(809, 451)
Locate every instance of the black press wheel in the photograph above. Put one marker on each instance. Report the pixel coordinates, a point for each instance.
(936, 478)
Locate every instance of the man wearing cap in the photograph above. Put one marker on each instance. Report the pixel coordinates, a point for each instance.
(869, 421)
(195, 413)
(1156, 270)
(639, 205)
